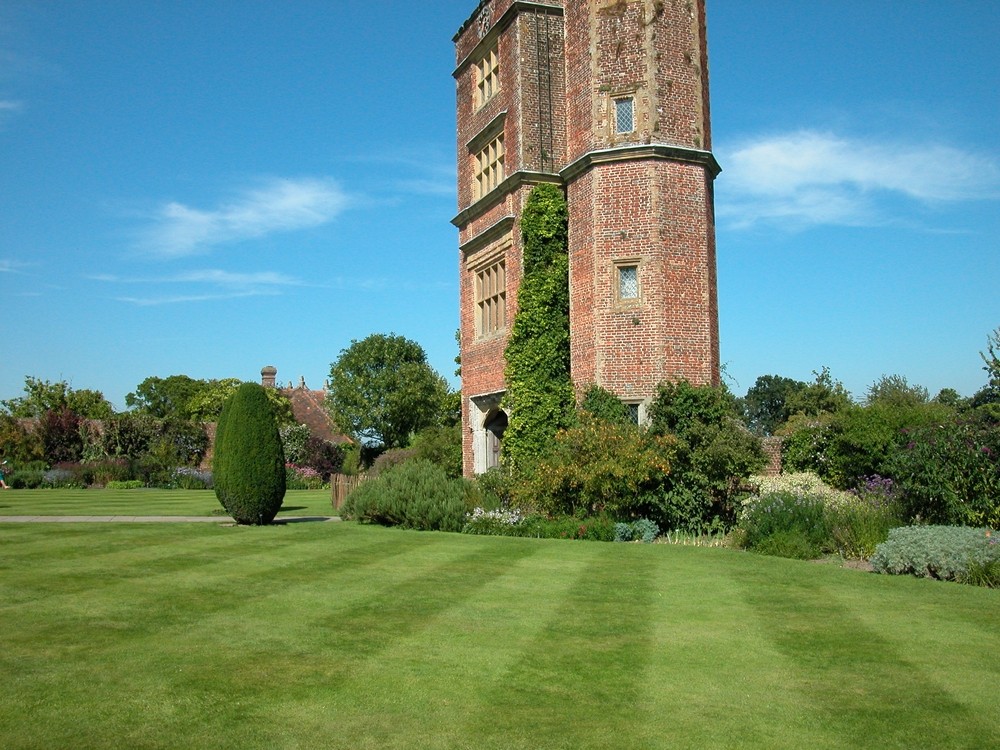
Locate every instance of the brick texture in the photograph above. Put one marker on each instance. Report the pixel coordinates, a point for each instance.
(644, 198)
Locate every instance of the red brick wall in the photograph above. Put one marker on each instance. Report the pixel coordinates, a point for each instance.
(656, 210)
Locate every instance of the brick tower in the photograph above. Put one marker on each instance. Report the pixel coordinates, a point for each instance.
(609, 99)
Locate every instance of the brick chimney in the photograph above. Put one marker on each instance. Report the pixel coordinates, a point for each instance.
(268, 375)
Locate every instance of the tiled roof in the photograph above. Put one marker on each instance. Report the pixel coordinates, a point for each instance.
(307, 407)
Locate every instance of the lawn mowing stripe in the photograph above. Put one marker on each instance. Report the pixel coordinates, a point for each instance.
(453, 661)
(121, 656)
(104, 589)
(932, 623)
(571, 682)
(63, 558)
(858, 683)
(402, 605)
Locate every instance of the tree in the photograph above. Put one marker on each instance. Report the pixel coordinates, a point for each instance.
(206, 405)
(383, 390)
(894, 390)
(248, 466)
(823, 396)
(169, 397)
(41, 396)
(766, 405)
(987, 398)
(715, 451)
(539, 390)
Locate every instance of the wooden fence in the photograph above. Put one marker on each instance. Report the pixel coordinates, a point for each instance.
(341, 485)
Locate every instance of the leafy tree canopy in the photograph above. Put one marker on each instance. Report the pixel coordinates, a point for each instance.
(766, 405)
(383, 390)
(207, 403)
(894, 390)
(41, 397)
(169, 397)
(823, 396)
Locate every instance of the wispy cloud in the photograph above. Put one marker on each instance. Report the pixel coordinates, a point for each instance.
(204, 285)
(278, 205)
(9, 108)
(7, 265)
(808, 178)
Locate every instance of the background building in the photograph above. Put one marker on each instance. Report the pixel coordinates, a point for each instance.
(608, 99)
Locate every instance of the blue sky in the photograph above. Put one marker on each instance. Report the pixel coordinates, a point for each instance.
(207, 188)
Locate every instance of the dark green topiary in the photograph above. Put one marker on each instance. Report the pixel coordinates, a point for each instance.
(249, 464)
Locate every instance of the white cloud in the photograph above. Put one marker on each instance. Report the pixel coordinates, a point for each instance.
(9, 108)
(279, 205)
(222, 285)
(809, 177)
(11, 266)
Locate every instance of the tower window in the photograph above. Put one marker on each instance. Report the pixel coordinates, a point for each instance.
(488, 167)
(633, 412)
(487, 77)
(491, 299)
(625, 115)
(628, 282)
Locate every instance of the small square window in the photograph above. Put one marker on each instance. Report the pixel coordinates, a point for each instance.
(628, 282)
(625, 115)
(633, 412)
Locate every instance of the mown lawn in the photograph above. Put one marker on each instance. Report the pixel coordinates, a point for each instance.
(335, 635)
(144, 502)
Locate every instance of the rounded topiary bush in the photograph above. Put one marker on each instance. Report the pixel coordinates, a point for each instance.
(248, 466)
(415, 495)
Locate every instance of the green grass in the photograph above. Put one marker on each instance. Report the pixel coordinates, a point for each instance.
(145, 502)
(347, 636)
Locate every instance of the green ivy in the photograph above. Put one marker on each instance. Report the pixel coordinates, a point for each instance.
(539, 390)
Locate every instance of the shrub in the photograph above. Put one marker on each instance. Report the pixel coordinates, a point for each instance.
(302, 478)
(950, 473)
(126, 484)
(60, 435)
(597, 468)
(325, 457)
(514, 523)
(190, 478)
(495, 522)
(642, 530)
(293, 442)
(715, 453)
(109, 470)
(785, 522)
(602, 404)
(248, 466)
(861, 522)
(496, 487)
(26, 479)
(415, 495)
(442, 446)
(949, 553)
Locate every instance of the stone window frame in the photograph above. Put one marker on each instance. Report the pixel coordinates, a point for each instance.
(616, 100)
(489, 289)
(619, 265)
(486, 74)
(488, 167)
